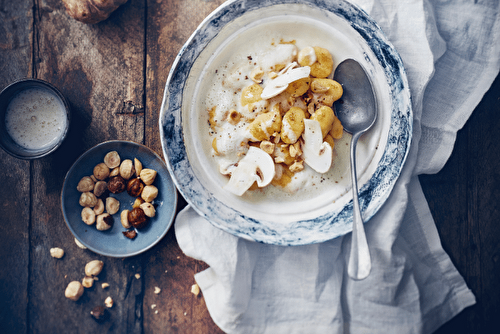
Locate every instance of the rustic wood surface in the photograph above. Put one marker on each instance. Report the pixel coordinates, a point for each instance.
(113, 74)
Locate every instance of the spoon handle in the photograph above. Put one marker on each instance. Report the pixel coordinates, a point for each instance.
(359, 266)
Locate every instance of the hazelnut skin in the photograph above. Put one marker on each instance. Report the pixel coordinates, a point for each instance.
(135, 187)
(137, 218)
(116, 184)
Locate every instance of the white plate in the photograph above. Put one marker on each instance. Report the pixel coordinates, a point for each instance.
(236, 28)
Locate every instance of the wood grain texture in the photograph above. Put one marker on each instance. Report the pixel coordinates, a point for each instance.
(464, 198)
(114, 74)
(16, 21)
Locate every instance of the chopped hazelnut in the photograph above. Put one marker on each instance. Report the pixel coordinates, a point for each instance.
(94, 268)
(99, 207)
(74, 290)
(130, 234)
(157, 290)
(87, 282)
(105, 285)
(267, 146)
(99, 313)
(57, 252)
(195, 289)
(109, 302)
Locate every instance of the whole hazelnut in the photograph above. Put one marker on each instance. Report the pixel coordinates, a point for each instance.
(93, 268)
(85, 184)
(148, 176)
(134, 187)
(112, 205)
(137, 218)
(101, 171)
(112, 159)
(74, 290)
(88, 215)
(88, 199)
(149, 193)
(149, 209)
(100, 188)
(116, 184)
(99, 207)
(127, 169)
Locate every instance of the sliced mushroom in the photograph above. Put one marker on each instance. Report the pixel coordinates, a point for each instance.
(288, 75)
(256, 166)
(316, 153)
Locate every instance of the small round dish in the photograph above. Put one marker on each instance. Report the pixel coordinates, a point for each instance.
(323, 211)
(34, 118)
(112, 242)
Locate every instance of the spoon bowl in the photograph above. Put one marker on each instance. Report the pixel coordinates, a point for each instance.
(357, 111)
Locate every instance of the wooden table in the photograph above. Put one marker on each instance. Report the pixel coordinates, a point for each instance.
(113, 74)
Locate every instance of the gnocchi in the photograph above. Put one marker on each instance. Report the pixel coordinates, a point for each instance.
(275, 96)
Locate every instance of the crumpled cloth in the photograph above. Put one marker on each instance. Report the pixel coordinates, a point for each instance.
(451, 53)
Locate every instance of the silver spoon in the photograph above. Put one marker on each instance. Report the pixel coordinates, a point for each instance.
(357, 111)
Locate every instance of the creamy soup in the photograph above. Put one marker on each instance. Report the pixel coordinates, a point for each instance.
(35, 118)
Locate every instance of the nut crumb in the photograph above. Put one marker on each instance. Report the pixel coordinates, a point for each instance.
(56, 252)
(109, 302)
(105, 285)
(157, 290)
(153, 306)
(137, 276)
(185, 313)
(79, 244)
(195, 289)
(156, 311)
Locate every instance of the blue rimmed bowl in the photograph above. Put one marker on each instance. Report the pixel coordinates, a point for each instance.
(310, 215)
(112, 242)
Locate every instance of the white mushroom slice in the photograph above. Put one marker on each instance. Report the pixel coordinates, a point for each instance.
(287, 75)
(316, 153)
(256, 166)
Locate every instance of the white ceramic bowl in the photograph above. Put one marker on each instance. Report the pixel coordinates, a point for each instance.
(235, 29)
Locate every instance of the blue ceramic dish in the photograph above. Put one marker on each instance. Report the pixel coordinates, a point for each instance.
(112, 242)
(326, 213)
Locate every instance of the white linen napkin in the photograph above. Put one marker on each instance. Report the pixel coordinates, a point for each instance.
(451, 54)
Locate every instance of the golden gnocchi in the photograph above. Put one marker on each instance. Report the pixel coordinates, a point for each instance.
(270, 117)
